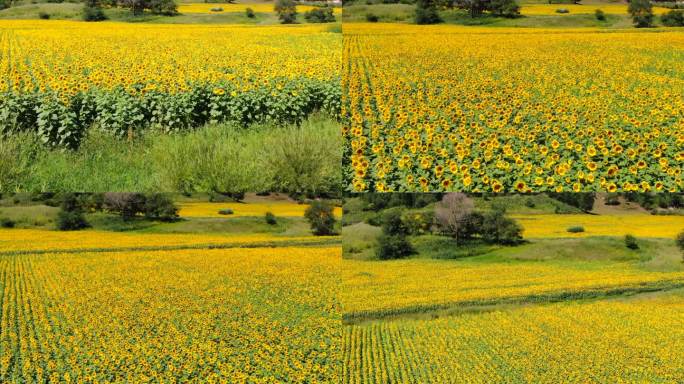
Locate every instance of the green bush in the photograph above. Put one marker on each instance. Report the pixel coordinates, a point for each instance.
(287, 11)
(600, 15)
(426, 15)
(505, 8)
(372, 18)
(320, 15)
(393, 223)
(160, 207)
(270, 218)
(393, 247)
(70, 217)
(93, 14)
(673, 18)
(680, 243)
(576, 229)
(498, 229)
(43, 15)
(127, 205)
(249, 12)
(321, 218)
(226, 211)
(631, 242)
(641, 12)
(6, 222)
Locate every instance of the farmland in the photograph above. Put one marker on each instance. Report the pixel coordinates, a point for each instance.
(584, 306)
(172, 302)
(453, 108)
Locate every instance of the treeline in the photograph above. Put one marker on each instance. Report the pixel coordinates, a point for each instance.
(93, 9)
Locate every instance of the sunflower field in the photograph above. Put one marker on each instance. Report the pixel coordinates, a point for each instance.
(259, 315)
(451, 108)
(61, 77)
(591, 342)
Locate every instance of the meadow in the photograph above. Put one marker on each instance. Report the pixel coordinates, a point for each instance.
(171, 302)
(453, 108)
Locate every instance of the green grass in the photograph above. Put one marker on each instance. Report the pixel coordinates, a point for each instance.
(220, 158)
(31, 216)
(359, 241)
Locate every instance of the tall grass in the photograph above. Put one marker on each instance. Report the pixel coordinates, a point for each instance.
(218, 158)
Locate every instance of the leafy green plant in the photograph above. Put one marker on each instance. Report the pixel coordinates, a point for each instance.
(576, 229)
(270, 218)
(631, 242)
(321, 218)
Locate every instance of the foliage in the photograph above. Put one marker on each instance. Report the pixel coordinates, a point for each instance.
(393, 223)
(641, 12)
(451, 213)
(460, 130)
(43, 15)
(320, 15)
(600, 15)
(583, 200)
(225, 211)
(249, 12)
(575, 229)
(673, 18)
(393, 247)
(156, 7)
(126, 204)
(6, 222)
(159, 206)
(287, 11)
(321, 217)
(631, 242)
(426, 12)
(372, 18)
(499, 229)
(270, 218)
(505, 8)
(93, 13)
(71, 217)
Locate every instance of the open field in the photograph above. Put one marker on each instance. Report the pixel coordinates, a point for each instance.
(261, 315)
(278, 208)
(544, 226)
(434, 108)
(606, 341)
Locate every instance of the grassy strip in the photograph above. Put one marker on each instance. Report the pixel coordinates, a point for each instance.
(260, 244)
(473, 306)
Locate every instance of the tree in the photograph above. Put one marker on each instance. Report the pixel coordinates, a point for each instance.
(426, 12)
(70, 216)
(499, 229)
(673, 18)
(505, 8)
(451, 212)
(287, 11)
(128, 205)
(160, 207)
(321, 218)
(642, 13)
(92, 11)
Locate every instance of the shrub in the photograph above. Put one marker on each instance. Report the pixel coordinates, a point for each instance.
(270, 218)
(576, 229)
(226, 211)
(393, 223)
(93, 14)
(6, 222)
(562, 10)
(218, 9)
(321, 218)
(600, 15)
(287, 11)
(505, 8)
(673, 18)
(44, 15)
(680, 243)
(426, 13)
(582, 200)
(320, 15)
(372, 18)
(641, 12)
(393, 247)
(631, 242)
(160, 207)
(70, 217)
(163, 7)
(498, 229)
(250, 13)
